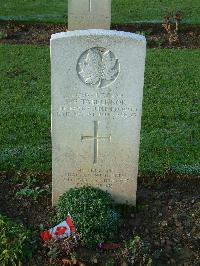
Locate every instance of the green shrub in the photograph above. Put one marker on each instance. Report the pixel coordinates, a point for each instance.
(31, 188)
(34, 193)
(3, 35)
(137, 252)
(92, 213)
(14, 242)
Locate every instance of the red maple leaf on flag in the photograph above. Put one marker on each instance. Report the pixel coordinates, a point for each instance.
(60, 231)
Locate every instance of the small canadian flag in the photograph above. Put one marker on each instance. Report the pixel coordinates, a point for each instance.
(62, 230)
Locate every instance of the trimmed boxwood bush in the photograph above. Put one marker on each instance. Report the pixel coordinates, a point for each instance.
(14, 242)
(92, 213)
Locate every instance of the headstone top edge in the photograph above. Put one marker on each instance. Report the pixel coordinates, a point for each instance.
(99, 32)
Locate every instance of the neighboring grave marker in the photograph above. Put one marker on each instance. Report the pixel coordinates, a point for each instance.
(89, 14)
(97, 91)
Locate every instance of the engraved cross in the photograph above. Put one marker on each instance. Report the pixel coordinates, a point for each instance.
(96, 138)
(90, 5)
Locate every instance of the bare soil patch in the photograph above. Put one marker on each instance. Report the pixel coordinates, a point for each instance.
(39, 34)
(167, 218)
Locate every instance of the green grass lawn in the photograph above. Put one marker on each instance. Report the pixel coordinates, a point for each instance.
(123, 11)
(170, 134)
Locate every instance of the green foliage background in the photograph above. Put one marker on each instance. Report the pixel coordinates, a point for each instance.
(123, 11)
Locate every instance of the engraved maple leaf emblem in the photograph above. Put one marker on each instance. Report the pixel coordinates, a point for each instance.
(98, 67)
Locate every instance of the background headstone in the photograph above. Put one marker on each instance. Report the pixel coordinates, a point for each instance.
(97, 91)
(89, 14)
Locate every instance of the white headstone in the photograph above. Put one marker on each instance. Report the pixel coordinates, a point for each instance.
(97, 91)
(89, 14)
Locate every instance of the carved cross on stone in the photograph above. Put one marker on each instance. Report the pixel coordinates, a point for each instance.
(90, 5)
(96, 139)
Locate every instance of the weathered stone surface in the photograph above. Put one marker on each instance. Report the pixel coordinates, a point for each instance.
(97, 91)
(89, 14)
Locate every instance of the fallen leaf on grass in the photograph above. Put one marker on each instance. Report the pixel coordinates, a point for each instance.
(109, 246)
(67, 262)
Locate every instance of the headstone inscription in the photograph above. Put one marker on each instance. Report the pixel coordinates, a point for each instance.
(97, 91)
(89, 14)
